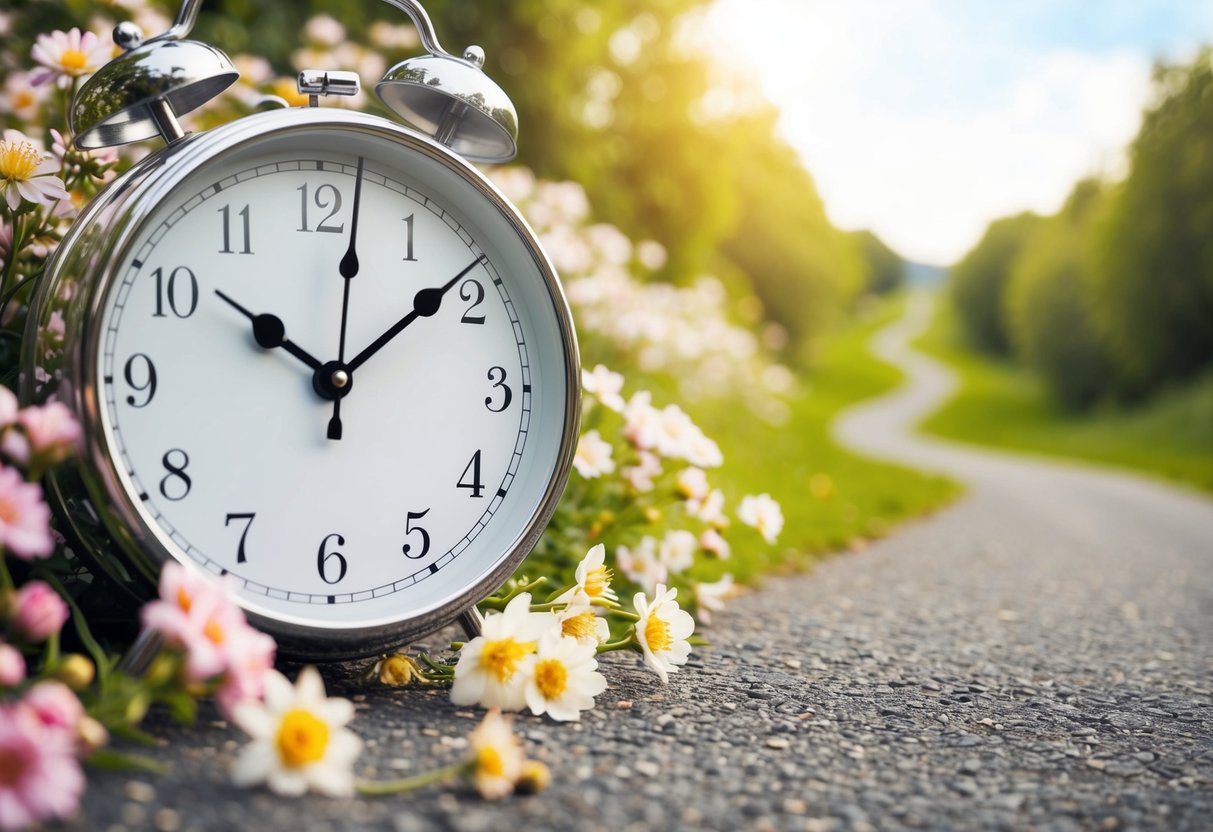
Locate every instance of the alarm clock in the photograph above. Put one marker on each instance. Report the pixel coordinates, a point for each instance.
(315, 353)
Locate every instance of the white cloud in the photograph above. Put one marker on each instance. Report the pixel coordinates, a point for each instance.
(924, 131)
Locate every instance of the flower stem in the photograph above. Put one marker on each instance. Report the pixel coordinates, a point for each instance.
(622, 644)
(624, 614)
(6, 578)
(408, 784)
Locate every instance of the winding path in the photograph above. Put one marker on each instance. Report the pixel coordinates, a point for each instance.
(1037, 656)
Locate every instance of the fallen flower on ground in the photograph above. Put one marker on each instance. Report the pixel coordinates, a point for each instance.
(489, 672)
(300, 741)
(497, 758)
(563, 677)
(662, 631)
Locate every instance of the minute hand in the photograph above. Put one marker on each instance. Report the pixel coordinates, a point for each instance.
(425, 304)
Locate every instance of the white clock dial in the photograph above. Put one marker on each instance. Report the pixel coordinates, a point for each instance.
(331, 369)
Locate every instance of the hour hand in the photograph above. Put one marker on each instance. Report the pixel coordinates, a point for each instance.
(269, 332)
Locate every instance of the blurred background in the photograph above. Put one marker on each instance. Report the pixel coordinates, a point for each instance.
(793, 167)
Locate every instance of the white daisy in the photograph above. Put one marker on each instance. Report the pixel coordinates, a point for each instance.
(497, 758)
(27, 173)
(489, 672)
(593, 456)
(662, 631)
(593, 578)
(563, 678)
(713, 542)
(677, 550)
(641, 565)
(68, 55)
(764, 514)
(300, 741)
(692, 484)
(709, 597)
(605, 386)
(580, 621)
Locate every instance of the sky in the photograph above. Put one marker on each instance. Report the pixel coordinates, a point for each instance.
(923, 120)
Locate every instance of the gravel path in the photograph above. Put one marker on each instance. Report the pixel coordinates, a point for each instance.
(1039, 656)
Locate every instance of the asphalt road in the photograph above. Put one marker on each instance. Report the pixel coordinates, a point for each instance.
(1037, 656)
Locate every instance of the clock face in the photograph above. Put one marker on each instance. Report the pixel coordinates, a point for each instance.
(334, 368)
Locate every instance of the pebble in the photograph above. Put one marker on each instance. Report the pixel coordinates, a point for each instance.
(778, 743)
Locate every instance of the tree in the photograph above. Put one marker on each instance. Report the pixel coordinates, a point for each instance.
(979, 280)
(1154, 281)
(886, 269)
(1048, 304)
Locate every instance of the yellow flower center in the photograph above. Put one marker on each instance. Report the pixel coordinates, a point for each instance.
(184, 601)
(18, 160)
(657, 635)
(214, 631)
(489, 762)
(501, 658)
(8, 512)
(73, 60)
(598, 581)
(580, 626)
(23, 99)
(302, 738)
(552, 678)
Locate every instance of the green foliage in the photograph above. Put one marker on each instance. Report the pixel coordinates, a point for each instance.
(979, 281)
(1048, 304)
(886, 269)
(1002, 404)
(1154, 282)
(803, 269)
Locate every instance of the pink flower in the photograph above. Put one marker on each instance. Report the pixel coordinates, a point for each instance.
(40, 778)
(24, 518)
(55, 706)
(38, 612)
(51, 433)
(8, 407)
(67, 55)
(26, 173)
(250, 655)
(196, 615)
(12, 666)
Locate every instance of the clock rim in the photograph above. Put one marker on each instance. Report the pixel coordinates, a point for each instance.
(130, 202)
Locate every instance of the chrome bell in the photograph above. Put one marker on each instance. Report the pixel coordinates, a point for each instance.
(139, 94)
(450, 98)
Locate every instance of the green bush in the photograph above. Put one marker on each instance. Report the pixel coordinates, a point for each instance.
(1048, 305)
(1154, 276)
(979, 281)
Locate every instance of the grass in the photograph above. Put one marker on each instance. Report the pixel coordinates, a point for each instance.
(1003, 404)
(830, 497)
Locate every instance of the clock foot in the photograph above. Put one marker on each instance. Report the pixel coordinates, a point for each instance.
(141, 654)
(471, 621)
(334, 431)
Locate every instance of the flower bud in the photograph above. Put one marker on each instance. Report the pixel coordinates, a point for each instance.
(92, 733)
(397, 670)
(38, 612)
(535, 778)
(76, 671)
(652, 514)
(136, 709)
(12, 666)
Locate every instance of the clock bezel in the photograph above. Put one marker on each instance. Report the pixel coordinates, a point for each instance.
(91, 492)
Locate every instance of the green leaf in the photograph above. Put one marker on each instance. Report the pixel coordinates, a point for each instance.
(107, 759)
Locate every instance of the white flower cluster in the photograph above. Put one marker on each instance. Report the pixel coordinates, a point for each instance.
(661, 327)
(545, 659)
